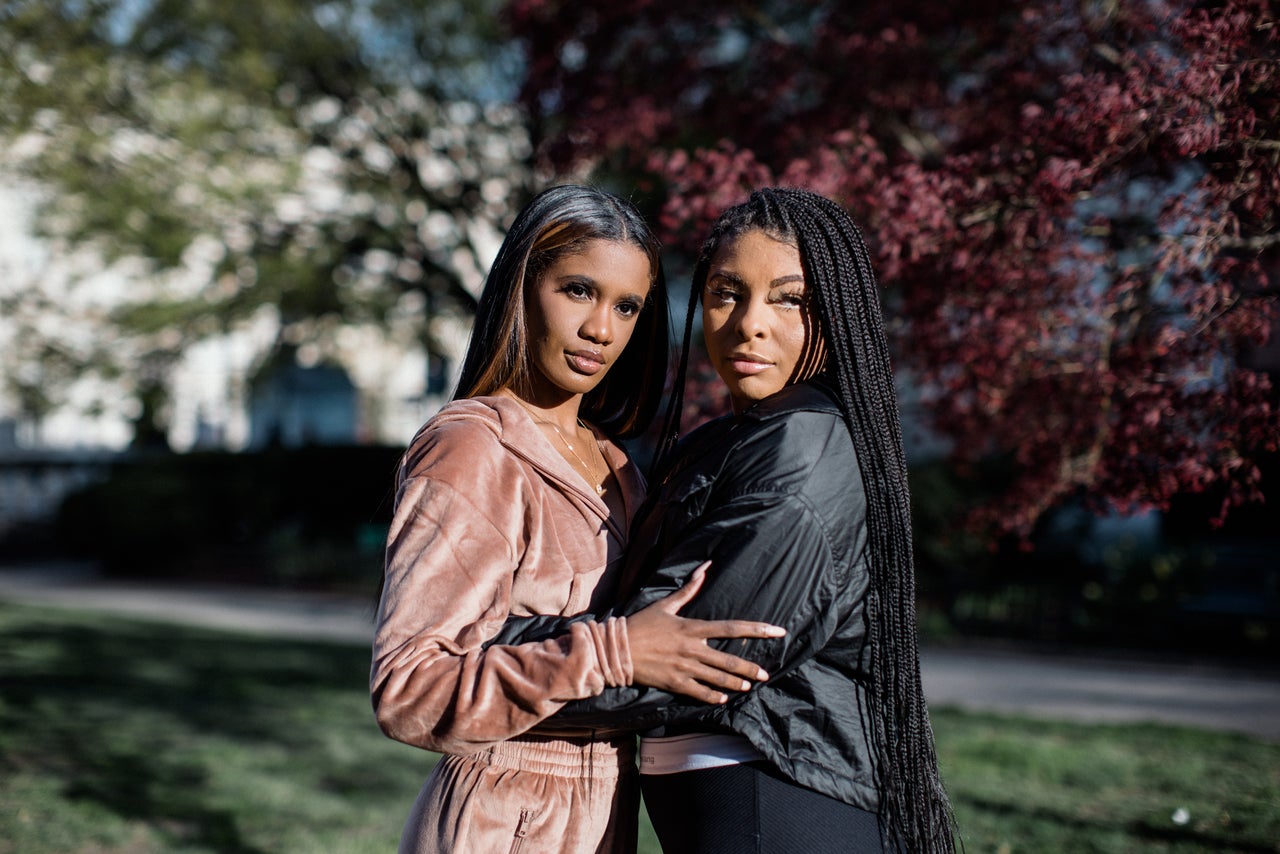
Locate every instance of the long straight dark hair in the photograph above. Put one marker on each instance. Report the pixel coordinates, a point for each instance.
(914, 811)
(560, 221)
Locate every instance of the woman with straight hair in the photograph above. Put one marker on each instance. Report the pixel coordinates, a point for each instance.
(799, 501)
(514, 500)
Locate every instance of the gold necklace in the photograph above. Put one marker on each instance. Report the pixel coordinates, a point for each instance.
(591, 475)
(599, 487)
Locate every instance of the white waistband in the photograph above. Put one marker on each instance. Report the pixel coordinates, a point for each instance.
(694, 751)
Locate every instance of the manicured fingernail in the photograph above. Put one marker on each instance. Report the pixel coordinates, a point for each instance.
(761, 676)
(721, 699)
(775, 632)
(745, 686)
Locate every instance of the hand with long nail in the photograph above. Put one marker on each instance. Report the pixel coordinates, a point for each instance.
(671, 653)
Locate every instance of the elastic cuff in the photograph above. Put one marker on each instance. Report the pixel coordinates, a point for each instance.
(622, 644)
(613, 651)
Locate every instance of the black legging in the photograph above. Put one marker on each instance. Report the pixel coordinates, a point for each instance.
(751, 809)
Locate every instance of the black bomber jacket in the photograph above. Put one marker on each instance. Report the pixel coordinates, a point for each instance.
(774, 498)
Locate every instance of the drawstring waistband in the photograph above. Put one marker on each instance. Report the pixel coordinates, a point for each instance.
(582, 758)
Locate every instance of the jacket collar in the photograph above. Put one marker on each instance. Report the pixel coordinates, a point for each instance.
(813, 395)
(521, 435)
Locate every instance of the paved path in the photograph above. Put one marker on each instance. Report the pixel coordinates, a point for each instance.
(1098, 688)
(1076, 686)
(270, 612)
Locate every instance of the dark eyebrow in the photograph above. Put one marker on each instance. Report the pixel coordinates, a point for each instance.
(737, 280)
(590, 282)
(734, 278)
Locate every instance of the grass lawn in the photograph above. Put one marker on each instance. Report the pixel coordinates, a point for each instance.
(125, 736)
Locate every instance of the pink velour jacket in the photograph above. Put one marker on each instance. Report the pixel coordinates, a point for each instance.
(490, 520)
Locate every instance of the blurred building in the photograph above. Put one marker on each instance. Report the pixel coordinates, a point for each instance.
(293, 406)
(235, 391)
(33, 481)
(238, 391)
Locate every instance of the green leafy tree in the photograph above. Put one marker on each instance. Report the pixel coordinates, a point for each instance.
(312, 166)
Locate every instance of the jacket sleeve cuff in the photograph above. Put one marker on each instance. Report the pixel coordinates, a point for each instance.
(613, 651)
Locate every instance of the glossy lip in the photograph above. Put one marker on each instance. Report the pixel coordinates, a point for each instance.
(748, 363)
(586, 361)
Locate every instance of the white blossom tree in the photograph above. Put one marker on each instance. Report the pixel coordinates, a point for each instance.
(329, 179)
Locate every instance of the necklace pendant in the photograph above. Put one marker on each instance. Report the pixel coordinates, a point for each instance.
(599, 489)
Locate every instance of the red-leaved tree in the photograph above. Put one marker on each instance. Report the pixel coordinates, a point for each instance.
(1073, 204)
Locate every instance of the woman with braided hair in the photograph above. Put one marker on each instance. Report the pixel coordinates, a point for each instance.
(515, 499)
(799, 500)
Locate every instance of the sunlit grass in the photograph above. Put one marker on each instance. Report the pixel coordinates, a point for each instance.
(124, 736)
(1027, 785)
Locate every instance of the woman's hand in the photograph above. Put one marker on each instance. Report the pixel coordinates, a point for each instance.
(671, 653)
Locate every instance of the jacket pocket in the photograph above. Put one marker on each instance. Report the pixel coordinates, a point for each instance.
(685, 499)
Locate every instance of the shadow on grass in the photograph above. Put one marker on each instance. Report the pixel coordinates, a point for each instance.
(132, 716)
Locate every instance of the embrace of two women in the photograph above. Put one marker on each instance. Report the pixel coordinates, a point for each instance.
(748, 612)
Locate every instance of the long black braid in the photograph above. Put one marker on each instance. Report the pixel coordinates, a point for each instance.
(914, 811)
